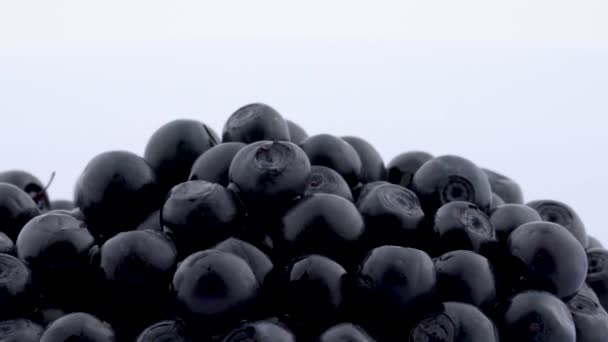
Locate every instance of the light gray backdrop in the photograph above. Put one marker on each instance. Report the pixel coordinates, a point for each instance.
(520, 88)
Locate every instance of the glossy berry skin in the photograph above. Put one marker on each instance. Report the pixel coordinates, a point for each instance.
(465, 276)
(322, 224)
(16, 209)
(392, 215)
(562, 214)
(260, 331)
(152, 222)
(7, 246)
(592, 242)
(78, 326)
(20, 330)
(590, 318)
(453, 322)
(309, 293)
(213, 165)
(29, 184)
(215, 289)
(335, 153)
(597, 277)
(269, 174)
(255, 122)
(536, 316)
(115, 192)
(545, 256)
(372, 165)
(462, 225)
(507, 217)
(327, 181)
(345, 332)
(199, 214)
(451, 178)
(259, 262)
(57, 248)
(164, 331)
(173, 148)
(297, 134)
(135, 271)
(392, 284)
(402, 168)
(504, 187)
(62, 205)
(16, 287)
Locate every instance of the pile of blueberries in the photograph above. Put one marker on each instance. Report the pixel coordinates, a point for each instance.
(269, 234)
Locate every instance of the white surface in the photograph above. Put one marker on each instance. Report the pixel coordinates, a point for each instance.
(519, 88)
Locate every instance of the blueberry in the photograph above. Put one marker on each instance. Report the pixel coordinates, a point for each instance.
(29, 184)
(259, 262)
(345, 332)
(504, 187)
(16, 209)
(260, 331)
(597, 277)
(16, 287)
(135, 269)
(392, 285)
(174, 147)
(361, 190)
(269, 173)
(455, 322)
(58, 248)
(322, 224)
(590, 318)
(372, 165)
(545, 256)
(536, 316)
(467, 277)
(297, 134)
(62, 205)
(199, 214)
(165, 331)
(392, 215)
(462, 225)
(507, 217)
(402, 168)
(255, 122)
(327, 181)
(115, 192)
(451, 178)
(309, 292)
(593, 242)
(152, 222)
(335, 153)
(215, 289)
(20, 330)
(562, 214)
(78, 326)
(213, 165)
(7, 246)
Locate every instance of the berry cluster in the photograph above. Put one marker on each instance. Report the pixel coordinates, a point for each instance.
(269, 234)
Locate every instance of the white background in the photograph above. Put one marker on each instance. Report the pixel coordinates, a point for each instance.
(517, 86)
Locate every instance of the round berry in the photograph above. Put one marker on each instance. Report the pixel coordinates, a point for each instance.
(402, 168)
(78, 326)
(30, 185)
(335, 153)
(260, 331)
(345, 332)
(590, 318)
(536, 316)
(597, 276)
(462, 225)
(255, 122)
(507, 217)
(327, 181)
(504, 187)
(115, 192)
(259, 262)
(545, 256)
(372, 165)
(164, 331)
(562, 214)
(16, 209)
(173, 148)
(213, 165)
(20, 330)
(451, 178)
(297, 134)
